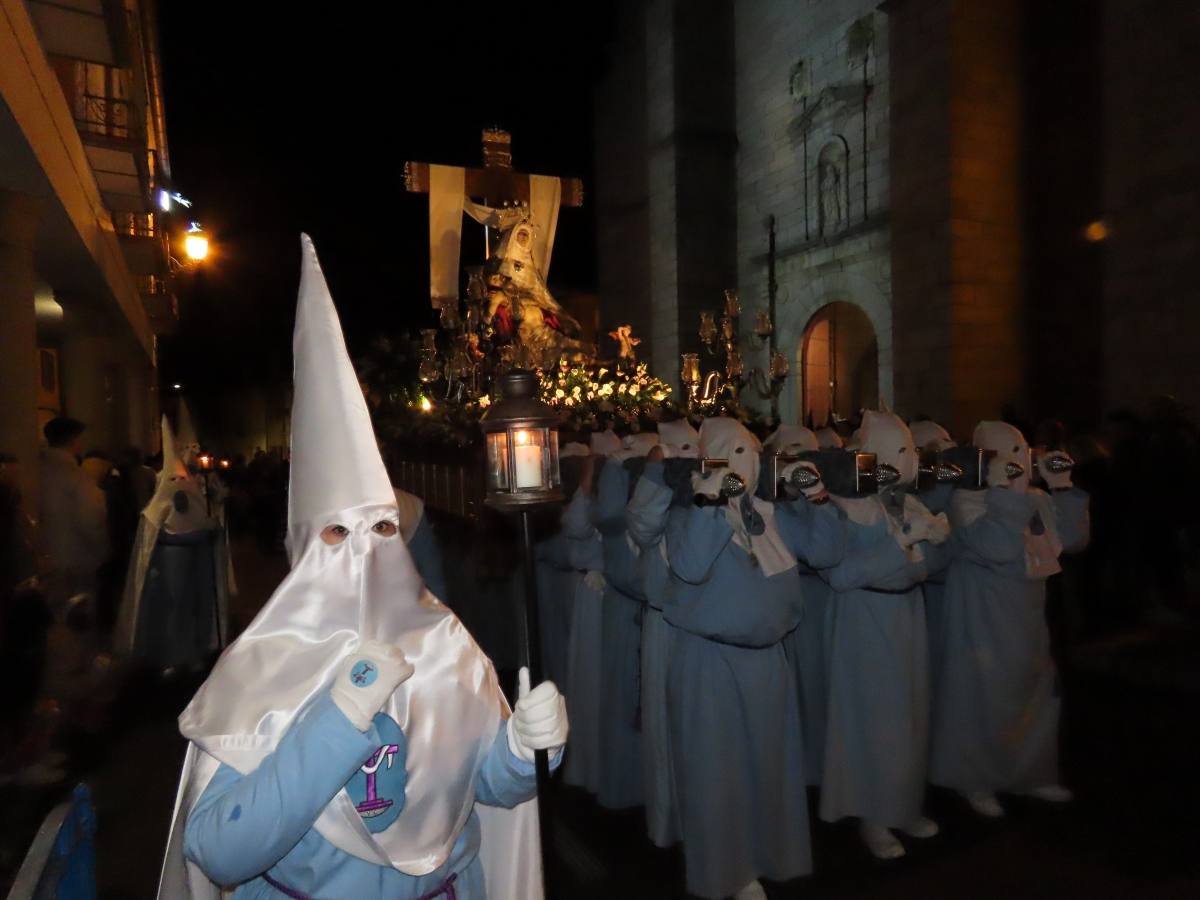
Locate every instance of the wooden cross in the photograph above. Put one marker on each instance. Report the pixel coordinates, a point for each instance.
(496, 183)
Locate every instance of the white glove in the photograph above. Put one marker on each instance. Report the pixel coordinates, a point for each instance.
(915, 530)
(1056, 481)
(365, 680)
(595, 581)
(815, 492)
(939, 529)
(539, 721)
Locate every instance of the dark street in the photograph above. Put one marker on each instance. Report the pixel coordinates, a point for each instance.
(1129, 733)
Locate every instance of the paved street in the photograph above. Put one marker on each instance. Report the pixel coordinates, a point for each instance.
(1130, 736)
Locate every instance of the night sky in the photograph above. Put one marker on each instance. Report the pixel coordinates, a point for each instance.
(302, 120)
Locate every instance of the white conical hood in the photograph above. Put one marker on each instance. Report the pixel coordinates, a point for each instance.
(792, 439)
(886, 435)
(679, 439)
(337, 596)
(186, 443)
(927, 433)
(335, 460)
(171, 463)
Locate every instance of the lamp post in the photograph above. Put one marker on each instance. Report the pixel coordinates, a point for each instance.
(521, 433)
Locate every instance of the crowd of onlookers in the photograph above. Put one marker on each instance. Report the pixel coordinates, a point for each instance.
(63, 564)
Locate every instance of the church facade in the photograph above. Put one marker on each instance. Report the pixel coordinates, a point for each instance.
(934, 197)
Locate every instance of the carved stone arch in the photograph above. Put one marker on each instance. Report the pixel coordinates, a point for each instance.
(802, 303)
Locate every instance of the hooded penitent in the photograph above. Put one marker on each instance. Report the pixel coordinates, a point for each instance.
(177, 507)
(679, 439)
(927, 434)
(636, 446)
(792, 439)
(335, 598)
(886, 435)
(604, 443)
(752, 519)
(187, 444)
(1042, 543)
(828, 438)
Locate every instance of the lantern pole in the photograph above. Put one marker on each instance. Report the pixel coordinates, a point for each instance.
(519, 404)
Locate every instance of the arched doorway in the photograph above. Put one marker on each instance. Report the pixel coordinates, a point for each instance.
(840, 363)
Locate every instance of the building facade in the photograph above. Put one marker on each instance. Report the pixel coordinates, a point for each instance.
(85, 263)
(958, 208)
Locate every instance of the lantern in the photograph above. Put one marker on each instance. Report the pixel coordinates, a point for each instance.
(522, 446)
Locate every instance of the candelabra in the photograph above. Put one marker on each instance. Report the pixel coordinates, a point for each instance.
(719, 338)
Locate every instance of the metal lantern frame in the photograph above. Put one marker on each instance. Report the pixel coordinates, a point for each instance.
(518, 420)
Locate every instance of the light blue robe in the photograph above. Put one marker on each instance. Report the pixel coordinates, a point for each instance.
(620, 731)
(585, 680)
(936, 500)
(807, 645)
(556, 579)
(878, 717)
(247, 825)
(995, 724)
(646, 519)
(736, 742)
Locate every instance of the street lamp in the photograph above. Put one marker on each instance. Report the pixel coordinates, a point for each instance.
(195, 243)
(523, 475)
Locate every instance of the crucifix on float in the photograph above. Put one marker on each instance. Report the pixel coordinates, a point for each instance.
(486, 195)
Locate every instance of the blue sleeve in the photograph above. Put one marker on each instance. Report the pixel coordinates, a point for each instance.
(873, 565)
(646, 513)
(998, 536)
(612, 495)
(696, 536)
(427, 557)
(1074, 519)
(505, 779)
(937, 557)
(244, 824)
(815, 533)
(577, 519)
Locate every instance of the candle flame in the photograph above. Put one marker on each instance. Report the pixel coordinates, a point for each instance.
(522, 437)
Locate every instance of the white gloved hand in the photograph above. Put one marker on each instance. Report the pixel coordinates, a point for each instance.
(365, 680)
(939, 529)
(1056, 481)
(815, 492)
(539, 721)
(915, 530)
(595, 581)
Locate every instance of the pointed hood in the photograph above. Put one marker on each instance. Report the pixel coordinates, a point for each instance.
(828, 439)
(791, 439)
(1009, 446)
(886, 435)
(335, 460)
(339, 594)
(171, 463)
(167, 509)
(679, 439)
(927, 433)
(187, 445)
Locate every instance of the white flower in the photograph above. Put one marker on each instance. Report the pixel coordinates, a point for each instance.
(622, 388)
(559, 394)
(570, 401)
(602, 373)
(485, 401)
(591, 395)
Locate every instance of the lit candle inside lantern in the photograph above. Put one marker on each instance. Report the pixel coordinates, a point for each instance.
(528, 459)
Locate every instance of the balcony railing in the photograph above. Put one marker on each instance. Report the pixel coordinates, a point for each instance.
(128, 224)
(152, 285)
(110, 118)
